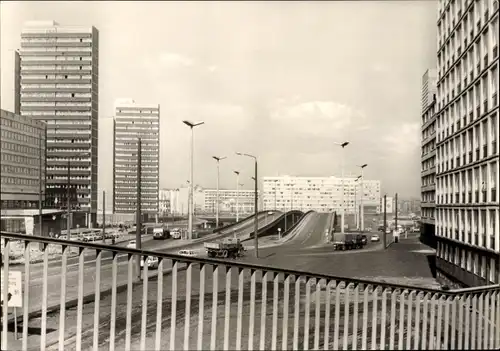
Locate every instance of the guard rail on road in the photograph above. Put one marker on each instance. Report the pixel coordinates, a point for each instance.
(244, 220)
(262, 308)
(262, 231)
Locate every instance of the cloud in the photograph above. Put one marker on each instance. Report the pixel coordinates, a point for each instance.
(172, 60)
(212, 68)
(317, 117)
(403, 139)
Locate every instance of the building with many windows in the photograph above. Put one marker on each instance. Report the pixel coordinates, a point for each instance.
(322, 194)
(22, 161)
(428, 159)
(467, 193)
(133, 122)
(229, 199)
(59, 85)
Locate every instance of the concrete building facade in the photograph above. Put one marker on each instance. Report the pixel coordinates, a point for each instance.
(228, 199)
(59, 71)
(23, 142)
(322, 194)
(133, 121)
(467, 163)
(428, 159)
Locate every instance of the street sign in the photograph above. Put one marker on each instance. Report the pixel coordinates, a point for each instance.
(15, 289)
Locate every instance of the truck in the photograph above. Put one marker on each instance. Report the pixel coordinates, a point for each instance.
(347, 241)
(229, 247)
(161, 233)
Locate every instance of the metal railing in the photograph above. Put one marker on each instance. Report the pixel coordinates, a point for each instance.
(252, 306)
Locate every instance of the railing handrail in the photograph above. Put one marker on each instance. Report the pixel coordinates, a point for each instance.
(304, 214)
(239, 265)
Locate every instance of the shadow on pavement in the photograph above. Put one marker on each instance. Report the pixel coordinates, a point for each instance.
(431, 260)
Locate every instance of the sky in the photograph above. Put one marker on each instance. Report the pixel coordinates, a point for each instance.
(283, 81)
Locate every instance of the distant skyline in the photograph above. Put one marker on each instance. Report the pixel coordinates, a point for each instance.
(280, 80)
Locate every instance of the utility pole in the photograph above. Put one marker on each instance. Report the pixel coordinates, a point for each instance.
(218, 159)
(138, 223)
(385, 221)
(68, 202)
(104, 216)
(396, 209)
(237, 195)
(256, 211)
(40, 189)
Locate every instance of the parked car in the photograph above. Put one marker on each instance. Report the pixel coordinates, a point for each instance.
(375, 238)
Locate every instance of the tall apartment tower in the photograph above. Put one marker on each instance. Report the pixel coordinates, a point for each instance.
(428, 160)
(133, 121)
(60, 85)
(17, 83)
(467, 193)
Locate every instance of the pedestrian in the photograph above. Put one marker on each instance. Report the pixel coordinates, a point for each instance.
(113, 241)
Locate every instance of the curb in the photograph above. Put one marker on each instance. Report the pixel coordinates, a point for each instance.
(90, 297)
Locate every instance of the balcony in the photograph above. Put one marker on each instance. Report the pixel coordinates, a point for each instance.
(265, 308)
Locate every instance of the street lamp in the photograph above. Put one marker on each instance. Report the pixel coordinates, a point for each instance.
(190, 200)
(362, 210)
(218, 159)
(342, 214)
(237, 195)
(356, 215)
(256, 205)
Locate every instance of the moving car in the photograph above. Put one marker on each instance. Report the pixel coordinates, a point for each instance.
(375, 238)
(364, 239)
(188, 253)
(131, 244)
(151, 261)
(175, 233)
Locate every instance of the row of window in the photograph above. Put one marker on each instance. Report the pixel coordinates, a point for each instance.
(55, 40)
(24, 160)
(13, 147)
(87, 115)
(55, 103)
(483, 179)
(24, 138)
(470, 145)
(35, 50)
(477, 227)
(471, 104)
(55, 86)
(19, 181)
(428, 212)
(472, 262)
(22, 127)
(20, 170)
(60, 59)
(55, 95)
